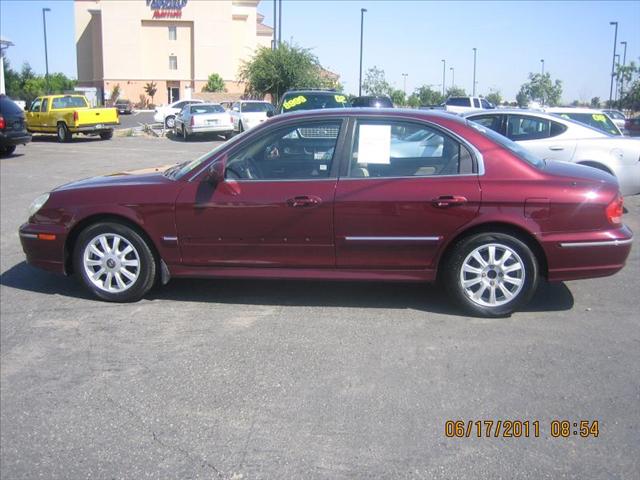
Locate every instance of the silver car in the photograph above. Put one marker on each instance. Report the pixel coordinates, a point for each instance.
(203, 118)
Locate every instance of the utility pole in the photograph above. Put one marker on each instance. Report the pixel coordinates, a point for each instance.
(624, 64)
(542, 63)
(279, 22)
(615, 90)
(453, 76)
(474, 70)
(613, 62)
(274, 42)
(46, 54)
(362, 11)
(405, 84)
(444, 68)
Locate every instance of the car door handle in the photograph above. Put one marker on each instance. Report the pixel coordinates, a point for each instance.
(556, 147)
(445, 201)
(304, 201)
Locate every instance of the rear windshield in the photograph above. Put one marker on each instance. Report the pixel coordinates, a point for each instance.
(459, 102)
(207, 109)
(123, 102)
(598, 121)
(68, 102)
(255, 107)
(8, 106)
(513, 147)
(313, 101)
(380, 102)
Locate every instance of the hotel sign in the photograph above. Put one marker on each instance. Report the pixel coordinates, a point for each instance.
(166, 8)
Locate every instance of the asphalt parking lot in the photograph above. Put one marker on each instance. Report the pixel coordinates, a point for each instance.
(255, 379)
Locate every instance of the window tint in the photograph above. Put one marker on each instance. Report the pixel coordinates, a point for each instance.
(45, 105)
(476, 103)
(598, 121)
(196, 108)
(301, 152)
(520, 127)
(485, 103)
(459, 101)
(173, 33)
(490, 121)
(180, 105)
(401, 149)
(312, 101)
(35, 106)
(255, 107)
(513, 147)
(557, 129)
(68, 102)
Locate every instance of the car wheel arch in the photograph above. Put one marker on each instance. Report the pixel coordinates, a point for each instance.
(81, 225)
(515, 230)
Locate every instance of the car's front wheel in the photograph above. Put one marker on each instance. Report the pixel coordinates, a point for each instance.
(491, 274)
(114, 262)
(170, 122)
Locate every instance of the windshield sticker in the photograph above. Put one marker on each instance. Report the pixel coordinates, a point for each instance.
(294, 102)
(374, 144)
(598, 117)
(340, 98)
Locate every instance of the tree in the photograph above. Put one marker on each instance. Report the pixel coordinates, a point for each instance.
(455, 92)
(413, 101)
(287, 67)
(542, 89)
(494, 97)
(397, 97)
(630, 95)
(27, 85)
(522, 99)
(151, 89)
(375, 83)
(115, 93)
(215, 83)
(595, 102)
(427, 96)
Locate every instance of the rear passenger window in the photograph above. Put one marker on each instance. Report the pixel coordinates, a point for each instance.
(476, 103)
(520, 127)
(557, 129)
(488, 121)
(399, 149)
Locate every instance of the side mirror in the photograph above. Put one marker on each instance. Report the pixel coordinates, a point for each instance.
(270, 113)
(215, 173)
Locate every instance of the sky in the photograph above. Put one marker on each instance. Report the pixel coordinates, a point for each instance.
(574, 38)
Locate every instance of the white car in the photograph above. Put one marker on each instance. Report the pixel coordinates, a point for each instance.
(167, 113)
(203, 118)
(618, 118)
(461, 105)
(589, 116)
(552, 137)
(249, 113)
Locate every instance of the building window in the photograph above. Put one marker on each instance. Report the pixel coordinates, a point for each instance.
(173, 34)
(173, 62)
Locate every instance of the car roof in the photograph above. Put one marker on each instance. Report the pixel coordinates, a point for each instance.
(252, 101)
(572, 110)
(311, 90)
(207, 103)
(377, 112)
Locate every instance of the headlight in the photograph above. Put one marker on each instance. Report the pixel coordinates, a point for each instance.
(38, 203)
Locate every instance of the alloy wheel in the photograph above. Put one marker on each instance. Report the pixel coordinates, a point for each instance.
(111, 263)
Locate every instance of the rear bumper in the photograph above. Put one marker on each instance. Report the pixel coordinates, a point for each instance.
(587, 254)
(14, 138)
(209, 128)
(98, 128)
(42, 251)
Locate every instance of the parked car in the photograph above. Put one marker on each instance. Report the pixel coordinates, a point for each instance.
(166, 114)
(65, 115)
(553, 137)
(124, 106)
(632, 126)
(374, 101)
(249, 113)
(295, 100)
(462, 105)
(226, 105)
(589, 116)
(203, 118)
(12, 127)
(617, 117)
(482, 214)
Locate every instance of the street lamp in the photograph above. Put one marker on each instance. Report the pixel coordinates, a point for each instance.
(46, 55)
(444, 68)
(362, 10)
(615, 91)
(405, 75)
(624, 64)
(453, 76)
(542, 63)
(613, 62)
(474, 70)
(275, 25)
(279, 22)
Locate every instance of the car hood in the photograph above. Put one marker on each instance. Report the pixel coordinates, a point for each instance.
(146, 176)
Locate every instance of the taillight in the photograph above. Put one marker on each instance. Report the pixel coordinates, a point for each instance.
(614, 210)
(3, 124)
(75, 115)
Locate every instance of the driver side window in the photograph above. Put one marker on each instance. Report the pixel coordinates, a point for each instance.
(35, 106)
(303, 151)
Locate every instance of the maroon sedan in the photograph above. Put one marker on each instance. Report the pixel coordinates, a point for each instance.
(345, 195)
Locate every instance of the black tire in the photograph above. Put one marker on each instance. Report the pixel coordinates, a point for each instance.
(491, 275)
(146, 273)
(63, 133)
(106, 135)
(240, 127)
(7, 150)
(227, 135)
(170, 122)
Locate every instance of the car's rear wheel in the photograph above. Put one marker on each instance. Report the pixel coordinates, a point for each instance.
(114, 262)
(491, 274)
(240, 126)
(170, 121)
(63, 133)
(106, 135)
(7, 150)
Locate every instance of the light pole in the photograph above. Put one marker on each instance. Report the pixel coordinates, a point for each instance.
(275, 25)
(542, 63)
(453, 76)
(405, 75)
(46, 55)
(279, 22)
(613, 61)
(444, 68)
(624, 64)
(615, 91)
(475, 50)
(362, 10)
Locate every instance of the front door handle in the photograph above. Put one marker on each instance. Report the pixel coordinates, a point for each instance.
(556, 147)
(304, 201)
(445, 201)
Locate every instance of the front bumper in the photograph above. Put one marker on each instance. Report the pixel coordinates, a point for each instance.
(44, 246)
(14, 138)
(586, 254)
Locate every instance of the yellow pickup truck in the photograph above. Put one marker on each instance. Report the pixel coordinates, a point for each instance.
(65, 115)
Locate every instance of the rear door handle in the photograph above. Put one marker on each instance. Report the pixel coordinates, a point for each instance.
(556, 147)
(304, 201)
(445, 201)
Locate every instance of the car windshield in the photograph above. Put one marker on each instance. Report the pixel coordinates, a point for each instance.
(249, 107)
(598, 121)
(122, 102)
(198, 109)
(313, 101)
(615, 114)
(513, 147)
(69, 102)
